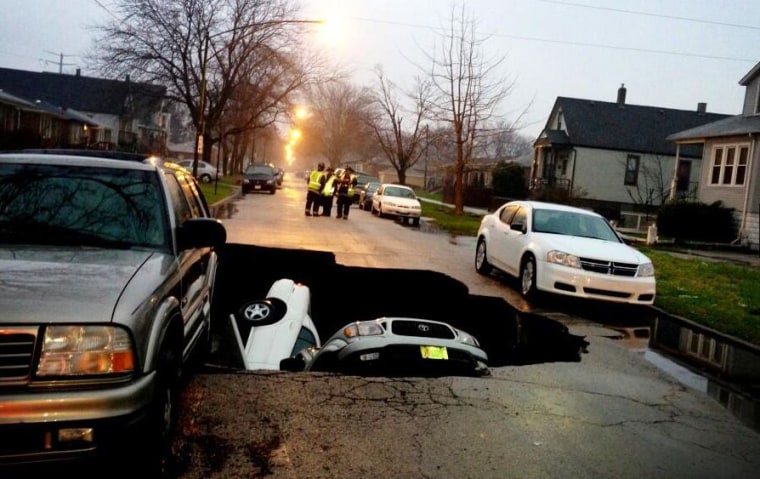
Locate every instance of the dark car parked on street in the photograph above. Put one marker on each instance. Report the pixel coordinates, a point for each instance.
(259, 177)
(366, 191)
(107, 274)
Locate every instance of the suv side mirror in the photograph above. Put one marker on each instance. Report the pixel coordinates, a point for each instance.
(201, 233)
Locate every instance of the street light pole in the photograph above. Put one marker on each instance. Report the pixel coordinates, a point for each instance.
(201, 107)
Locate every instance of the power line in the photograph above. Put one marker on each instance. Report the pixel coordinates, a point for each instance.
(563, 42)
(647, 14)
(105, 9)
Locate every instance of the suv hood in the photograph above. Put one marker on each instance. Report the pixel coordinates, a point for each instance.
(44, 284)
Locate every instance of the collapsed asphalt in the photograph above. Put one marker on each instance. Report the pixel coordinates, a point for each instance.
(343, 294)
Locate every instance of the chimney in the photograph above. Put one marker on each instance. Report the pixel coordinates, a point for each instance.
(701, 108)
(79, 71)
(621, 95)
(127, 79)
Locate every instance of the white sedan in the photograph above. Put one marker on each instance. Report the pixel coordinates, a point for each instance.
(397, 201)
(206, 171)
(563, 250)
(271, 329)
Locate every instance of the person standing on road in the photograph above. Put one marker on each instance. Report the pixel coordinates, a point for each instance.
(314, 186)
(345, 192)
(328, 190)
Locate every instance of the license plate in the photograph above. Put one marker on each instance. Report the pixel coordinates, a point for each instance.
(434, 352)
(256, 187)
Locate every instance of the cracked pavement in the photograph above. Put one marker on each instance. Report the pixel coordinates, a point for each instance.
(610, 413)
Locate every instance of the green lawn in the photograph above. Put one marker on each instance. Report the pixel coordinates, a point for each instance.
(722, 296)
(216, 192)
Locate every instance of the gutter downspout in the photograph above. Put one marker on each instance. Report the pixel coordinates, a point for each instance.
(572, 176)
(747, 177)
(672, 194)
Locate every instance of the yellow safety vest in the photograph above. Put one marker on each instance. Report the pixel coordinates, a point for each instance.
(329, 186)
(314, 183)
(351, 181)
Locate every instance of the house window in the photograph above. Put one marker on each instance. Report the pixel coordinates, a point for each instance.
(729, 165)
(46, 127)
(757, 100)
(631, 170)
(562, 166)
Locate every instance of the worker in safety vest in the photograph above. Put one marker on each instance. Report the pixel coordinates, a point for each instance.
(328, 190)
(314, 187)
(345, 192)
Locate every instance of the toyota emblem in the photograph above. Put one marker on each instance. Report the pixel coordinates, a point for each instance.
(423, 327)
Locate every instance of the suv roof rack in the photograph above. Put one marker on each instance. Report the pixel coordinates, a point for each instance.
(112, 154)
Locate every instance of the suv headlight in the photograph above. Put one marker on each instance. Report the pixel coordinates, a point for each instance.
(468, 338)
(85, 350)
(363, 329)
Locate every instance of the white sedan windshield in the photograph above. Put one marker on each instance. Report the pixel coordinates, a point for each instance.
(572, 224)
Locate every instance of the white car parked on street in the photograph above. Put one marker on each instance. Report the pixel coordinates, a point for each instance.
(206, 171)
(563, 250)
(397, 201)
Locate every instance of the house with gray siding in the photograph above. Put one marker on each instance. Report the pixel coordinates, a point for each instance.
(113, 114)
(615, 157)
(729, 163)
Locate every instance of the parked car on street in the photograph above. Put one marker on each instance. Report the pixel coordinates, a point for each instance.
(366, 192)
(392, 346)
(107, 274)
(276, 327)
(563, 250)
(397, 201)
(206, 171)
(259, 177)
(362, 179)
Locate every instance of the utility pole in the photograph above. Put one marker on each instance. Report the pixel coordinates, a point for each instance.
(60, 60)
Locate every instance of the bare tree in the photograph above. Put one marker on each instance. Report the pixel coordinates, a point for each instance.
(337, 126)
(468, 91)
(208, 53)
(402, 147)
(650, 187)
(505, 143)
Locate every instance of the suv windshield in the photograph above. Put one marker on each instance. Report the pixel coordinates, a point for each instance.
(68, 205)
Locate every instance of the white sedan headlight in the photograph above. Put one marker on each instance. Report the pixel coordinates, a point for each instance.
(646, 269)
(565, 259)
(85, 350)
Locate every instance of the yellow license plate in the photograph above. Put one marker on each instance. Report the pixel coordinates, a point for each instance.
(434, 352)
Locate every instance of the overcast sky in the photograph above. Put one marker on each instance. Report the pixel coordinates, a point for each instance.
(668, 53)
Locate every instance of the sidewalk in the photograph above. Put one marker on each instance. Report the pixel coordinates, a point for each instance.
(467, 209)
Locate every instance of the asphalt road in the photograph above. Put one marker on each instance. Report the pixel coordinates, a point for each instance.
(606, 413)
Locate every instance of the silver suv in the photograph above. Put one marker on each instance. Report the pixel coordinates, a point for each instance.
(107, 270)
